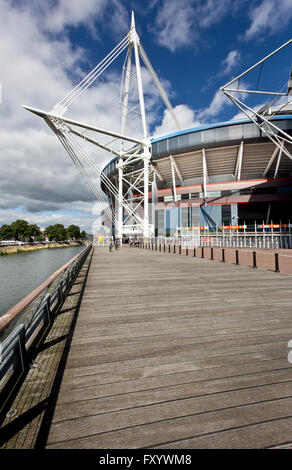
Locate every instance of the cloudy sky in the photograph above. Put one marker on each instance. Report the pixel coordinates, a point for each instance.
(47, 47)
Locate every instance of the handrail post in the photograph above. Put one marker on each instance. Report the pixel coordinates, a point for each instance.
(254, 259)
(277, 270)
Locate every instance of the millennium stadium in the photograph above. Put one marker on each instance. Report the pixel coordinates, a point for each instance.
(232, 175)
(227, 174)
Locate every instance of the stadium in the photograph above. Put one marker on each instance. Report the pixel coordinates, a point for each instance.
(221, 175)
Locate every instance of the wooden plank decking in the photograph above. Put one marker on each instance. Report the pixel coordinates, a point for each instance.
(173, 351)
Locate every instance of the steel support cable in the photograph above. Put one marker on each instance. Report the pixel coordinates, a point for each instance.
(105, 179)
(75, 144)
(78, 164)
(80, 89)
(88, 179)
(259, 75)
(84, 173)
(273, 137)
(277, 97)
(93, 71)
(237, 102)
(84, 88)
(102, 175)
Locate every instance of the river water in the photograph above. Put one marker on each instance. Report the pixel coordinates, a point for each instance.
(23, 272)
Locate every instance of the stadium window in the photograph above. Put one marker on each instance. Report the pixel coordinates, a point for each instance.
(214, 193)
(209, 136)
(226, 214)
(284, 189)
(250, 131)
(222, 134)
(195, 139)
(173, 144)
(236, 132)
(163, 147)
(244, 191)
(183, 141)
(155, 149)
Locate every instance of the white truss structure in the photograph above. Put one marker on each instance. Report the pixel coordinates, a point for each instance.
(262, 117)
(134, 163)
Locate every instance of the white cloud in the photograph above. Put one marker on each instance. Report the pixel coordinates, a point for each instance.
(180, 24)
(218, 103)
(174, 23)
(270, 17)
(186, 117)
(231, 61)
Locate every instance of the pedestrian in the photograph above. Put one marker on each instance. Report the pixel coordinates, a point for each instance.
(116, 244)
(111, 246)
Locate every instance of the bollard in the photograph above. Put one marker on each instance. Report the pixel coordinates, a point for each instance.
(212, 255)
(254, 259)
(194, 251)
(174, 249)
(179, 249)
(236, 257)
(223, 255)
(187, 251)
(164, 247)
(202, 253)
(169, 248)
(277, 270)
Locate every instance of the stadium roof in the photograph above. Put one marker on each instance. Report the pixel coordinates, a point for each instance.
(212, 126)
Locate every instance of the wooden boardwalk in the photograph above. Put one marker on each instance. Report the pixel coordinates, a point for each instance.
(171, 351)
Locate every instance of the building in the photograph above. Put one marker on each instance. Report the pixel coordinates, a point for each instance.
(224, 174)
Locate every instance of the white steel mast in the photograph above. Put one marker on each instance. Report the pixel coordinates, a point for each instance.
(133, 163)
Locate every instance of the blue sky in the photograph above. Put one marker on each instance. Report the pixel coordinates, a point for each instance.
(46, 48)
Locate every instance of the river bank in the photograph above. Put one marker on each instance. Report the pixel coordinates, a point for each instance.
(22, 273)
(13, 250)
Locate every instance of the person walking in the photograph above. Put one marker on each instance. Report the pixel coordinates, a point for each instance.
(111, 246)
(116, 243)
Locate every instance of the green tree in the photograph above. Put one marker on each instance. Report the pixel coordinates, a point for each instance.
(73, 231)
(56, 232)
(83, 234)
(6, 232)
(34, 231)
(19, 229)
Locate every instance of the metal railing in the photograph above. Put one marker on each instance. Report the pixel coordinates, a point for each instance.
(24, 326)
(274, 240)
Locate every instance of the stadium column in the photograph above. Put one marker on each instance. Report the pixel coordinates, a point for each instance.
(146, 158)
(120, 206)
